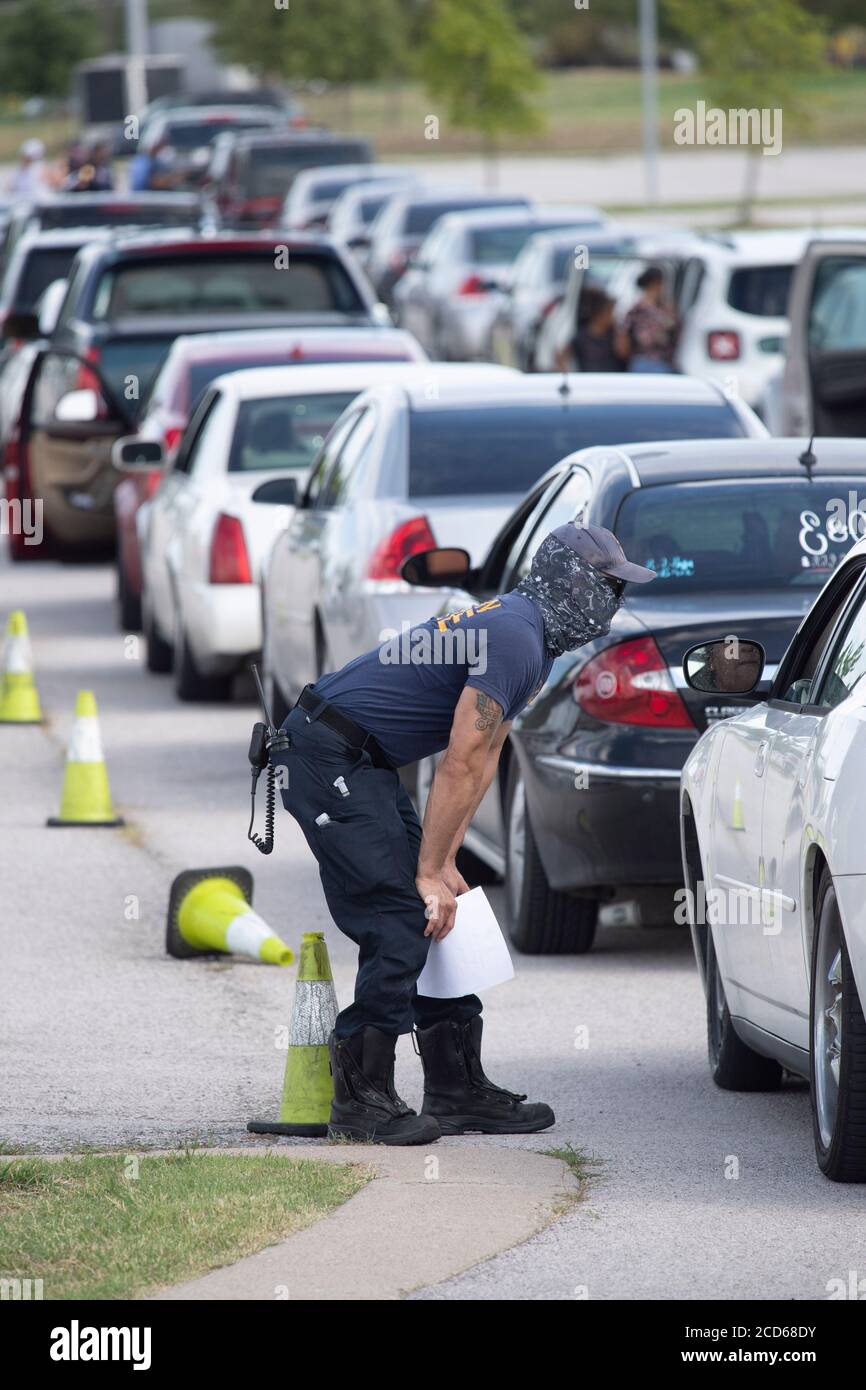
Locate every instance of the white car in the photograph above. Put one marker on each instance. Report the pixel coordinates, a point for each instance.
(775, 858)
(450, 292)
(734, 301)
(205, 533)
(409, 468)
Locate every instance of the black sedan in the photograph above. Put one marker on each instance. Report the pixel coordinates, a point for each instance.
(583, 820)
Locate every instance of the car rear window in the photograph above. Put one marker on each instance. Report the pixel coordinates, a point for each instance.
(191, 135)
(421, 216)
(284, 431)
(504, 449)
(761, 290)
(272, 167)
(167, 286)
(40, 269)
(769, 534)
(182, 215)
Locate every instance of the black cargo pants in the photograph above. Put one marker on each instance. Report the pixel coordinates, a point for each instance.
(359, 821)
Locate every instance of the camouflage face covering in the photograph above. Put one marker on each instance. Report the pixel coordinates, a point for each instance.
(576, 600)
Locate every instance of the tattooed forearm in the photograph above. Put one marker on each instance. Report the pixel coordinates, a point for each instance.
(489, 713)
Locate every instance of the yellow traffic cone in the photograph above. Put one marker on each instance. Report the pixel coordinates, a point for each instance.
(86, 798)
(19, 698)
(210, 910)
(307, 1086)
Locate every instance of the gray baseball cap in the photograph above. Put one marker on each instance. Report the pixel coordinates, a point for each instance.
(601, 549)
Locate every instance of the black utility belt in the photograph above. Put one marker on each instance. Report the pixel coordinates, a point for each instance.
(341, 724)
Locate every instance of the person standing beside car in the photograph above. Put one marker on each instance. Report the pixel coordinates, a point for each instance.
(392, 886)
(651, 328)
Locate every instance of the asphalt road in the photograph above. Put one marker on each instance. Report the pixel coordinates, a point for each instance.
(108, 1041)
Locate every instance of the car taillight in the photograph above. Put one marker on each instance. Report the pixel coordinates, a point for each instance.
(85, 379)
(409, 538)
(171, 438)
(630, 683)
(550, 306)
(229, 561)
(723, 346)
(398, 260)
(152, 480)
(473, 284)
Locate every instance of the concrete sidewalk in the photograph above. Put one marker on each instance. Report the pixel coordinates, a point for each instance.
(428, 1214)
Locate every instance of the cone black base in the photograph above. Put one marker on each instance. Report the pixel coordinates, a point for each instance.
(299, 1131)
(55, 821)
(175, 944)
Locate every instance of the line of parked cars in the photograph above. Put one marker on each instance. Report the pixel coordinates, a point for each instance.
(210, 385)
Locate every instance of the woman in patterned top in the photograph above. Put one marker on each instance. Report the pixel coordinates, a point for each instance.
(652, 326)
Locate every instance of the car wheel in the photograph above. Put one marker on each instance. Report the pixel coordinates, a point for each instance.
(543, 921)
(158, 652)
(189, 682)
(128, 603)
(734, 1066)
(838, 1050)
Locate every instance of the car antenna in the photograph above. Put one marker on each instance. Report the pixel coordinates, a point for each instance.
(808, 458)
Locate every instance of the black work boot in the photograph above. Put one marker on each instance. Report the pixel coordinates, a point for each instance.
(459, 1095)
(365, 1104)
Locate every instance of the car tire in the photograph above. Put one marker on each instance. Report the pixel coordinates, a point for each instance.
(838, 1047)
(733, 1065)
(158, 652)
(128, 603)
(543, 921)
(189, 682)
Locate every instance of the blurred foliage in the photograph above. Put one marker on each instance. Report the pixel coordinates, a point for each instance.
(752, 51)
(474, 58)
(337, 41)
(40, 43)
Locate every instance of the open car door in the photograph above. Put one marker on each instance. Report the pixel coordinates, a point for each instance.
(824, 381)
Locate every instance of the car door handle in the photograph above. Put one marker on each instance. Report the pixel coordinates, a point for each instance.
(761, 759)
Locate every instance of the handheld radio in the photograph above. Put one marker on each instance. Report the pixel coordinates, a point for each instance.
(265, 740)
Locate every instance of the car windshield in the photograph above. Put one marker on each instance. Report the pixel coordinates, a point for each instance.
(284, 431)
(504, 448)
(125, 360)
(761, 289)
(41, 269)
(210, 283)
(771, 534)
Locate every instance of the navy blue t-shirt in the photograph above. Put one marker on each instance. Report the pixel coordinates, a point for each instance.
(405, 692)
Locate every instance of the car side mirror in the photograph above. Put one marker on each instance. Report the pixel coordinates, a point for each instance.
(78, 407)
(21, 326)
(437, 569)
(728, 666)
(133, 453)
(282, 492)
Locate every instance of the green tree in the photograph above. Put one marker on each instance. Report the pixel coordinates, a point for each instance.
(751, 54)
(339, 41)
(473, 58)
(40, 43)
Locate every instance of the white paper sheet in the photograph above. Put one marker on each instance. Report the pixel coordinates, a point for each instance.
(473, 956)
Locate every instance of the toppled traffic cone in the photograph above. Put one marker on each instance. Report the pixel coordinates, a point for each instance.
(307, 1087)
(86, 798)
(19, 698)
(210, 910)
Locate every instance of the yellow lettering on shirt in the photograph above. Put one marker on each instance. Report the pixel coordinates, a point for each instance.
(442, 623)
